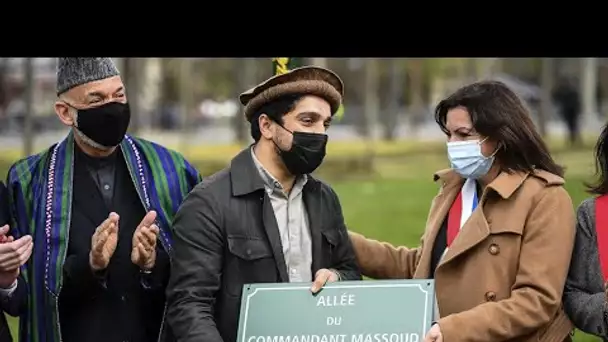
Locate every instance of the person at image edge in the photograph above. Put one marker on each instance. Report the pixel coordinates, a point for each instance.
(99, 206)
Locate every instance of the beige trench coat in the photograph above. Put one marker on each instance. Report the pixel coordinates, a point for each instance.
(502, 278)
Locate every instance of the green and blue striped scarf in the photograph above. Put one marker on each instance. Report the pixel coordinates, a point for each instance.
(40, 190)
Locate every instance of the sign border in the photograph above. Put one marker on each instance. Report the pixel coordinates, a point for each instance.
(429, 290)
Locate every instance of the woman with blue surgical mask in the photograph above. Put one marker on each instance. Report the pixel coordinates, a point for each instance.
(500, 232)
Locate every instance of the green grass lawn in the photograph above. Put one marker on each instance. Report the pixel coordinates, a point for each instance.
(393, 204)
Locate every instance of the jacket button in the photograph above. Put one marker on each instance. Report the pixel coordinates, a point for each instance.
(248, 251)
(494, 249)
(490, 296)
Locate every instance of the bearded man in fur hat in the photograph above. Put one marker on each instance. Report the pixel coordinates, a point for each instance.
(99, 206)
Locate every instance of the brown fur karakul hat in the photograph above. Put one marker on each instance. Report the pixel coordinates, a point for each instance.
(307, 80)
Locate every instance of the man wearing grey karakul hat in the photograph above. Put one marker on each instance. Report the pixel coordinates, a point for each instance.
(99, 206)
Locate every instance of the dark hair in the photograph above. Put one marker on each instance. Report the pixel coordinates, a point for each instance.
(275, 110)
(600, 187)
(498, 113)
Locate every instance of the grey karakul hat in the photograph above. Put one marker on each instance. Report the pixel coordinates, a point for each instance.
(74, 71)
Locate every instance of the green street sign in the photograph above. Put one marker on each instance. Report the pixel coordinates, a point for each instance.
(348, 311)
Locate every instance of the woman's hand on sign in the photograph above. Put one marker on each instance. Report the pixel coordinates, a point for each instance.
(322, 277)
(434, 335)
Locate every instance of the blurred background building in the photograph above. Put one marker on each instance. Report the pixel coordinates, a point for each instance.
(195, 99)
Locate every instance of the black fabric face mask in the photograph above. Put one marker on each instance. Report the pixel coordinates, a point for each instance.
(106, 124)
(306, 153)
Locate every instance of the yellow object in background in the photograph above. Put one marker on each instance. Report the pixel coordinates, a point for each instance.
(281, 65)
(340, 113)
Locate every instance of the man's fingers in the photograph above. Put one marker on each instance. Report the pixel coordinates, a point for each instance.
(101, 241)
(143, 240)
(112, 228)
(9, 265)
(22, 241)
(155, 230)
(4, 229)
(23, 248)
(103, 226)
(23, 258)
(10, 250)
(144, 254)
(135, 254)
(10, 260)
(149, 236)
(114, 217)
(9, 239)
(320, 279)
(149, 219)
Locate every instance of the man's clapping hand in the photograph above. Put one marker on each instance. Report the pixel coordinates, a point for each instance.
(103, 243)
(13, 255)
(143, 253)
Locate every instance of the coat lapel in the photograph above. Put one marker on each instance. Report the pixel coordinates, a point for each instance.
(474, 231)
(313, 206)
(272, 231)
(438, 212)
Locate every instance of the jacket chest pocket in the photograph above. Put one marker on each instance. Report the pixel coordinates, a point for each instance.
(249, 249)
(330, 238)
(250, 260)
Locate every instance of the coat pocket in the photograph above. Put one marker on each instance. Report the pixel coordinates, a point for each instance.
(249, 260)
(249, 248)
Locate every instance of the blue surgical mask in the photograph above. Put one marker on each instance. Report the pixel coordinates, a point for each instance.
(466, 158)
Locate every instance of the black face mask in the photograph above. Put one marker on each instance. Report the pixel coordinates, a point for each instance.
(106, 124)
(306, 153)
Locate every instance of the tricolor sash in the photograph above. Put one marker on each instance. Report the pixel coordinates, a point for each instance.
(461, 209)
(601, 231)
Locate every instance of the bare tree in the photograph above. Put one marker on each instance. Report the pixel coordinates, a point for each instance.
(28, 134)
(186, 101)
(131, 75)
(395, 88)
(246, 78)
(546, 83)
(416, 87)
(3, 89)
(371, 101)
(588, 86)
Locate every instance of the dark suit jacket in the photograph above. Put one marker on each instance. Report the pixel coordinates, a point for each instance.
(16, 303)
(226, 235)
